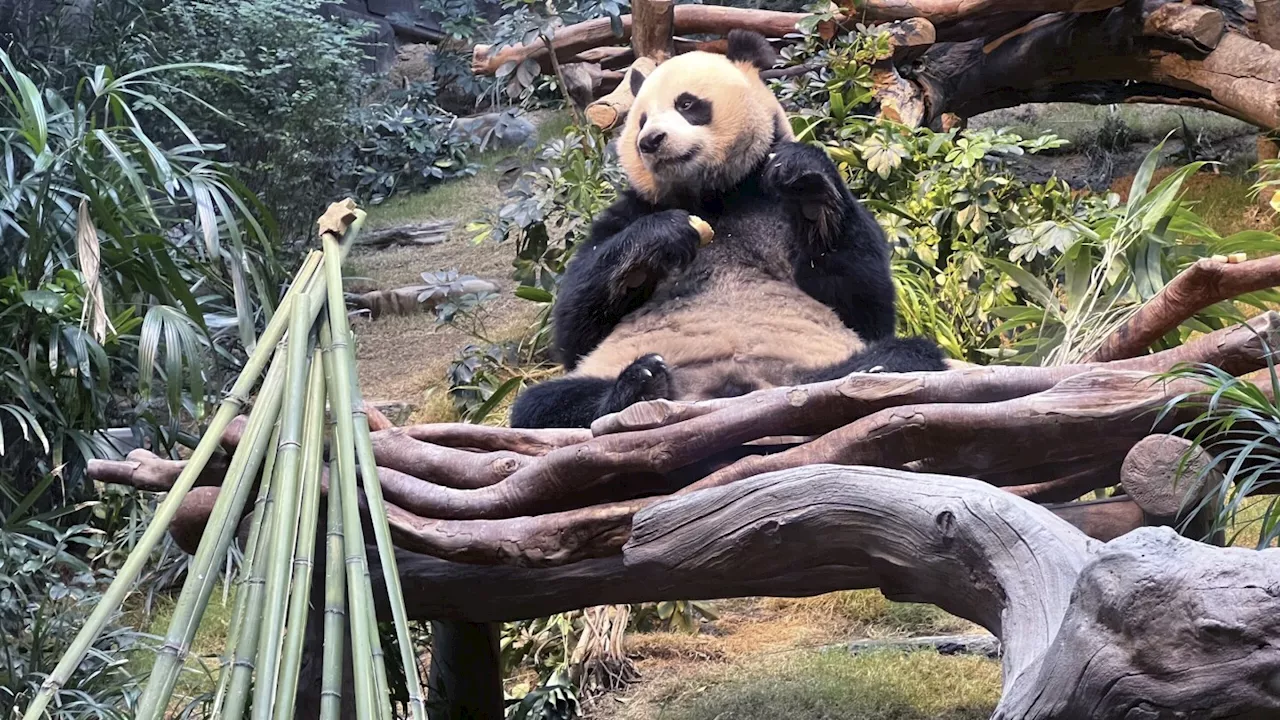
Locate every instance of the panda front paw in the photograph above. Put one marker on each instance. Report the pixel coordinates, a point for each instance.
(804, 177)
(655, 245)
(648, 378)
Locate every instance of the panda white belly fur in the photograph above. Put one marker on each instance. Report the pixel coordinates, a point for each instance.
(733, 321)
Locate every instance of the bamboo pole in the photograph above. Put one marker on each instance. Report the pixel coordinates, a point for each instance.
(287, 509)
(214, 544)
(335, 611)
(344, 485)
(242, 635)
(382, 533)
(128, 573)
(300, 597)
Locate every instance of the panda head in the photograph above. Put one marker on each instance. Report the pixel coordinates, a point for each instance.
(701, 121)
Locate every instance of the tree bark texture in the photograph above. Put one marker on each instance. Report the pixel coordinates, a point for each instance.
(988, 55)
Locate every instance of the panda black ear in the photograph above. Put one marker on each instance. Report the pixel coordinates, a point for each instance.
(637, 79)
(750, 47)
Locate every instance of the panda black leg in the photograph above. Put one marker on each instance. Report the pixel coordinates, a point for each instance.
(894, 355)
(577, 401)
(648, 378)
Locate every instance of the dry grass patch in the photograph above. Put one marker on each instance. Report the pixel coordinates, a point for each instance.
(818, 686)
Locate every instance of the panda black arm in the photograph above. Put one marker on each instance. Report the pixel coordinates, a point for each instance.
(854, 278)
(843, 256)
(630, 249)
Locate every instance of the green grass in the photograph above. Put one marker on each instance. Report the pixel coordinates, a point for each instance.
(1225, 204)
(1080, 123)
(200, 672)
(463, 199)
(449, 200)
(871, 613)
(834, 684)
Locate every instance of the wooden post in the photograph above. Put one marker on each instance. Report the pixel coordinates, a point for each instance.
(653, 28)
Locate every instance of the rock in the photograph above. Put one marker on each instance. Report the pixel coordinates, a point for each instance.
(414, 63)
(505, 129)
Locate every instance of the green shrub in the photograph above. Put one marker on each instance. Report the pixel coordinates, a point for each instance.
(46, 593)
(405, 142)
(284, 118)
(122, 259)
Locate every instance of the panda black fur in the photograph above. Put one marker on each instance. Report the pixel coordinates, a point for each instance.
(795, 286)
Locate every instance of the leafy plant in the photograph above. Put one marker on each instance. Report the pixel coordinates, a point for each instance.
(403, 143)
(46, 592)
(1117, 262)
(555, 699)
(1268, 185)
(115, 252)
(285, 113)
(680, 615)
(1238, 426)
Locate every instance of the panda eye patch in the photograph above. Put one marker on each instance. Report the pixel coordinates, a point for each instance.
(694, 109)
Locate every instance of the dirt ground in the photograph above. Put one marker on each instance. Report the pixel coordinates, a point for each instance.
(404, 358)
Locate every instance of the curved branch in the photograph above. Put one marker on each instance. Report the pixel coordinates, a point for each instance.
(1205, 283)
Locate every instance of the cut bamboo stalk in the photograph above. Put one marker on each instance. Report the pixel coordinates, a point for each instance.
(335, 612)
(382, 534)
(209, 443)
(300, 597)
(248, 597)
(221, 528)
(344, 485)
(284, 528)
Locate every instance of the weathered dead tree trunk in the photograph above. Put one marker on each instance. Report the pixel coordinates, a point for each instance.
(1150, 621)
(979, 56)
(1205, 283)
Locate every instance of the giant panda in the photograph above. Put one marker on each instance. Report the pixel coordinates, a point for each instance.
(794, 287)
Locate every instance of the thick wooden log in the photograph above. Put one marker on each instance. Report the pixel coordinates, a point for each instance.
(1167, 476)
(653, 28)
(429, 233)
(1206, 282)
(1268, 23)
(410, 299)
(1103, 520)
(1097, 57)
(1199, 623)
(1196, 26)
(610, 111)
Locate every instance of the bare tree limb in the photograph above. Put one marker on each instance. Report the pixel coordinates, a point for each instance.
(1205, 283)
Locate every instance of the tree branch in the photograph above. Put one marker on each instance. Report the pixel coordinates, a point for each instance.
(1205, 283)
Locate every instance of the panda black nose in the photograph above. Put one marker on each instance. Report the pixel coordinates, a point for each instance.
(651, 142)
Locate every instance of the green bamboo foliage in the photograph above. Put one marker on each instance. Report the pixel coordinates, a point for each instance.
(285, 438)
(300, 592)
